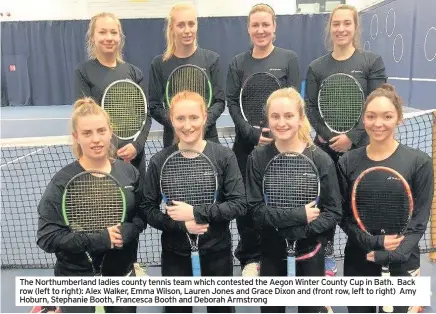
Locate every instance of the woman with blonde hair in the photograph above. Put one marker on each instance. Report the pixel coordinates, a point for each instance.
(182, 49)
(92, 147)
(210, 223)
(306, 224)
(262, 57)
(105, 41)
(345, 56)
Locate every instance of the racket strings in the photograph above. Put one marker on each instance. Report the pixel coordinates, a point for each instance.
(290, 182)
(191, 79)
(191, 180)
(341, 101)
(254, 96)
(93, 204)
(125, 105)
(382, 203)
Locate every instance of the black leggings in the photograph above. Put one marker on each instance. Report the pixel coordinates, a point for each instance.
(212, 264)
(274, 266)
(248, 249)
(360, 267)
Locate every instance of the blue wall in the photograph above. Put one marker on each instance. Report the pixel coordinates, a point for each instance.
(403, 32)
(45, 53)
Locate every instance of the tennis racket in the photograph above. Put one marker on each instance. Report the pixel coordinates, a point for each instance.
(92, 202)
(253, 96)
(191, 78)
(291, 180)
(125, 103)
(382, 204)
(340, 102)
(189, 176)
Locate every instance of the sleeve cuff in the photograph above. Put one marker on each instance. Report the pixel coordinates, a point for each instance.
(381, 257)
(199, 215)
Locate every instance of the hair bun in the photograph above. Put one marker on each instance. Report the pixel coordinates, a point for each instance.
(387, 87)
(83, 101)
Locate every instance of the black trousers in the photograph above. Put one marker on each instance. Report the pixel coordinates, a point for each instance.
(248, 248)
(335, 157)
(212, 264)
(272, 266)
(358, 266)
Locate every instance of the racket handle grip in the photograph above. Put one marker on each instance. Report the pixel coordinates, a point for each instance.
(291, 266)
(303, 88)
(195, 261)
(386, 273)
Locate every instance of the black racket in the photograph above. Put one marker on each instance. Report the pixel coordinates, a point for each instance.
(92, 202)
(382, 204)
(125, 103)
(291, 180)
(253, 96)
(340, 102)
(189, 176)
(188, 77)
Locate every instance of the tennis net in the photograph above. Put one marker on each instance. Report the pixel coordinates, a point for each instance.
(27, 165)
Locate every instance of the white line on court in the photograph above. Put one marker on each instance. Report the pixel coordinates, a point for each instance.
(33, 119)
(416, 79)
(44, 119)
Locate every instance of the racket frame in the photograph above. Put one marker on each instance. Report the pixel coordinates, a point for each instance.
(354, 192)
(195, 256)
(244, 86)
(322, 89)
(91, 172)
(209, 84)
(385, 272)
(64, 208)
(290, 248)
(134, 136)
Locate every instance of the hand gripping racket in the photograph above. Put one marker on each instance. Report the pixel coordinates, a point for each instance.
(382, 204)
(191, 78)
(125, 103)
(291, 180)
(253, 96)
(189, 176)
(93, 201)
(340, 102)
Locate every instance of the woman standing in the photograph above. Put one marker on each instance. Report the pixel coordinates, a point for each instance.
(306, 224)
(263, 57)
(188, 117)
(93, 149)
(182, 49)
(364, 254)
(105, 42)
(343, 31)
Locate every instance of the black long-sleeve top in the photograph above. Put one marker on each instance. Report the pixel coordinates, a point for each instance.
(416, 167)
(53, 236)
(91, 79)
(158, 77)
(281, 63)
(277, 224)
(366, 67)
(231, 202)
